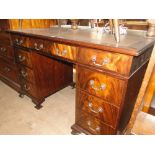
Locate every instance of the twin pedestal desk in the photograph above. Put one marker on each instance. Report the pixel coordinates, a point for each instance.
(108, 74)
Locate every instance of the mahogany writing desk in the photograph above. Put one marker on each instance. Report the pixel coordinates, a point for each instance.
(108, 74)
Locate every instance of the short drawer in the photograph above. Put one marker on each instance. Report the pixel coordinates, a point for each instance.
(19, 40)
(40, 45)
(29, 88)
(98, 108)
(106, 87)
(64, 51)
(118, 63)
(23, 57)
(7, 51)
(9, 70)
(93, 125)
(26, 73)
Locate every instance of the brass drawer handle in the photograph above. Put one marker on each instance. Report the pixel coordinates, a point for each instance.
(3, 50)
(99, 110)
(104, 62)
(21, 58)
(38, 47)
(97, 129)
(101, 87)
(23, 73)
(6, 69)
(19, 42)
(63, 53)
(26, 87)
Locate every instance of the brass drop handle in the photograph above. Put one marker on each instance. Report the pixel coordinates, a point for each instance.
(6, 69)
(19, 42)
(21, 58)
(64, 52)
(96, 129)
(101, 87)
(24, 74)
(99, 110)
(3, 49)
(38, 47)
(105, 61)
(26, 87)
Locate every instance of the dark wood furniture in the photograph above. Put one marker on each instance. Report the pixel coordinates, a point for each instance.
(8, 68)
(108, 77)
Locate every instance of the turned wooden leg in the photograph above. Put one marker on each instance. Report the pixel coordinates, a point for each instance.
(38, 103)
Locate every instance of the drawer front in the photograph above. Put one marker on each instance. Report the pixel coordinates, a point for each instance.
(20, 40)
(118, 63)
(26, 73)
(93, 125)
(5, 38)
(98, 108)
(29, 88)
(23, 57)
(64, 51)
(106, 87)
(6, 51)
(40, 45)
(9, 70)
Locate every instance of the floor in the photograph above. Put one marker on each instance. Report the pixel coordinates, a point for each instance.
(144, 124)
(19, 117)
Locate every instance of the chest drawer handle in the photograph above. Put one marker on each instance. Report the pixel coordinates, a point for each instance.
(26, 87)
(21, 58)
(64, 52)
(19, 42)
(104, 62)
(99, 110)
(6, 69)
(3, 49)
(41, 46)
(101, 87)
(23, 73)
(97, 129)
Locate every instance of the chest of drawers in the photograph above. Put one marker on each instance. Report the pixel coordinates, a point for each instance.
(8, 68)
(107, 78)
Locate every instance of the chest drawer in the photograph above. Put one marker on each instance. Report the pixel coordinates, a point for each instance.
(20, 40)
(5, 38)
(106, 87)
(98, 108)
(118, 63)
(64, 51)
(9, 70)
(29, 88)
(6, 51)
(23, 57)
(93, 125)
(40, 45)
(26, 73)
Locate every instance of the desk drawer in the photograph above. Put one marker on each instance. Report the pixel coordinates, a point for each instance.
(29, 88)
(20, 40)
(40, 45)
(26, 73)
(64, 51)
(23, 57)
(98, 108)
(105, 60)
(93, 125)
(9, 70)
(106, 87)
(6, 51)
